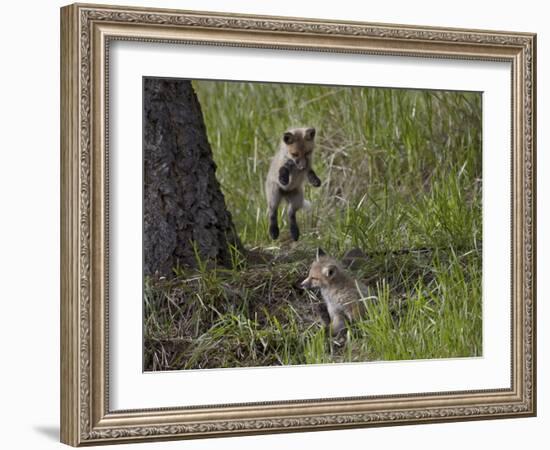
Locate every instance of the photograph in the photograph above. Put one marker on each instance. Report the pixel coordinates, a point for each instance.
(291, 223)
(296, 224)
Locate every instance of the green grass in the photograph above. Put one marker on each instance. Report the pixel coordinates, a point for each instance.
(401, 170)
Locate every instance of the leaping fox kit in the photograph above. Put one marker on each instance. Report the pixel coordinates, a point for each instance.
(342, 294)
(289, 169)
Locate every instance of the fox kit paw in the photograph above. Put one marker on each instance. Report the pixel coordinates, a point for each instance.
(339, 340)
(274, 231)
(284, 176)
(313, 179)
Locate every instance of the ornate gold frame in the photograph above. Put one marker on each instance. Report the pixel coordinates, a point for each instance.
(86, 31)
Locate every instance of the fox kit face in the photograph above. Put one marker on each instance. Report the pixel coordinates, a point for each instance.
(322, 273)
(299, 146)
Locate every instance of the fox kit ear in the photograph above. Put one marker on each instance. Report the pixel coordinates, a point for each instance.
(288, 138)
(329, 271)
(310, 134)
(320, 252)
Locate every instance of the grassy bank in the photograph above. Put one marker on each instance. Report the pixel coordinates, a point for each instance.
(401, 171)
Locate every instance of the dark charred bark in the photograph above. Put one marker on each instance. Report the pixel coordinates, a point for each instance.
(183, 208)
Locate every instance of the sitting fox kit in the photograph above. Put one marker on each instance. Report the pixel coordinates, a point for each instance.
(341, 293)
(289, 169)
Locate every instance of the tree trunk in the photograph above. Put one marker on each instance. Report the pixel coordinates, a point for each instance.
(184, 208)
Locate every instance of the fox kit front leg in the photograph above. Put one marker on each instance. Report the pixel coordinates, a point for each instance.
(337, 326)
(284, 172)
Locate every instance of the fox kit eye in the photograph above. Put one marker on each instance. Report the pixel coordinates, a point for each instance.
(329, 271)
(310, 134)
(288, 138)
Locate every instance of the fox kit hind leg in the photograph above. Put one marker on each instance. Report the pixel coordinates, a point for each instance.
(274, 197)
(295, 202)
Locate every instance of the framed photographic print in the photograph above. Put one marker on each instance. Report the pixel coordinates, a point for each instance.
(277, 224)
